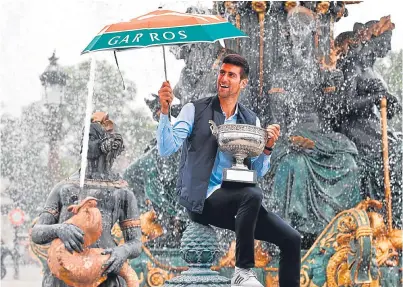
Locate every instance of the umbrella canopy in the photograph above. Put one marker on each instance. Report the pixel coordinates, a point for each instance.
(163, 27)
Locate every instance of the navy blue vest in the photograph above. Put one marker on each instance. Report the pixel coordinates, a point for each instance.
(199, 151)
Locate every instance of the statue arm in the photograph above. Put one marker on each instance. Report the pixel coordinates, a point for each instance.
(365, 104)
(134, 175)
(354, 103)
(130, 225)
(394, 107)
(362, 105)
(129, 221)
(45, 229)
(370, 93)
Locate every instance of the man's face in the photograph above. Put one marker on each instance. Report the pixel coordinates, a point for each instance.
(229, 83)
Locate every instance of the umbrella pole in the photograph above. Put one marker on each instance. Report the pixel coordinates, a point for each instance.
(385, 152)
(165, 63)
(166, 77)
(87, 121)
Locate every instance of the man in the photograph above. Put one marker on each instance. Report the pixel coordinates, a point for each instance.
(237, 207)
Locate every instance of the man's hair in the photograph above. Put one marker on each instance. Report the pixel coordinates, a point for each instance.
(238, 60)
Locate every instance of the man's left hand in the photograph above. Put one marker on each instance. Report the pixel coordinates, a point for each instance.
(116, 261)
(273, 132)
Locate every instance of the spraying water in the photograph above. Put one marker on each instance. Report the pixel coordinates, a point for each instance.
(87, 121)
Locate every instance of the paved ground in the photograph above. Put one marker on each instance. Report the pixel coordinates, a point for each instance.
(30, 276)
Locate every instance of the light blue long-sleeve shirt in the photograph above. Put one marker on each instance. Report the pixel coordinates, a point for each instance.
(170, 139)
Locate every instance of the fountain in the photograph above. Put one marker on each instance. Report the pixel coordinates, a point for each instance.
(321, 179)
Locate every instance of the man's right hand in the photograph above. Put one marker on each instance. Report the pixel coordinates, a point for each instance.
(71, 236)
(166, 97)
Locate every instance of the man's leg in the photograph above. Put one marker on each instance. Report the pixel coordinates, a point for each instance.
(235, 208)
(272, 228)
(218, 211)
(245, 224)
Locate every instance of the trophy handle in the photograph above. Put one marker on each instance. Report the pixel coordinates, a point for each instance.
(213, 127)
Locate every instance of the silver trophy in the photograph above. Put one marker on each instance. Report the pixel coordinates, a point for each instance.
(241, 141)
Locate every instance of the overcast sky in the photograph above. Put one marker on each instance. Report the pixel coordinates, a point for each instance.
(31, 30)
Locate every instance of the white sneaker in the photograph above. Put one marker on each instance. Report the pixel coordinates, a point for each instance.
(245, 278)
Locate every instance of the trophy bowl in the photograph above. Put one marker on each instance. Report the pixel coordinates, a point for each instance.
(240, 140)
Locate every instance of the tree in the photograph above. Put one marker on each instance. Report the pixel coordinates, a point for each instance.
(133, 123)
(391, 70)
(25, 140)
(23, 159)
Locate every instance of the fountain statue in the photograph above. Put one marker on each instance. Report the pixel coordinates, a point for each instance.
(313, 170)
(104, 193)
(359, 107)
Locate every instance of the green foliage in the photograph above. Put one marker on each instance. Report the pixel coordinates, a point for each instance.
(134, 124)
(25, 140)
(391, 70)
(23, 159)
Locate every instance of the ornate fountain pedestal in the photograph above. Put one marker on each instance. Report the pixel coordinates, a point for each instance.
(199, 248)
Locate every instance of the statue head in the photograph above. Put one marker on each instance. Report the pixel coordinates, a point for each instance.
(375, 37)
(366, 55)
(347, 48)
(302, 25)
(345, 41)
(383, 44)
(104, 146)
(181, 51)
(301, 22)
(365, 43)
(154, 105)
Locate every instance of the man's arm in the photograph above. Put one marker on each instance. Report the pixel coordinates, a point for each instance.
(261, 164)
(170, 138)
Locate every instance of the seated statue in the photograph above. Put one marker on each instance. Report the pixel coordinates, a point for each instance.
(313, 174)
(360, 103)
(116, 203)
